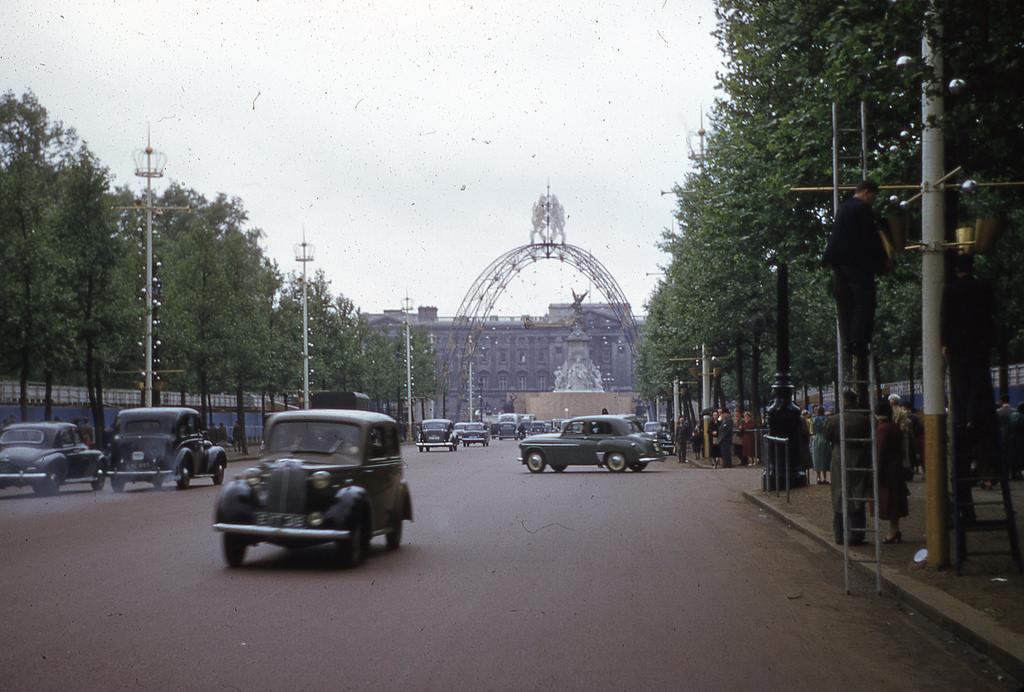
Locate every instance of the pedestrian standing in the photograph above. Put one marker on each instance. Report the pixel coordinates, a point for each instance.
(891, 503)
(822, 451)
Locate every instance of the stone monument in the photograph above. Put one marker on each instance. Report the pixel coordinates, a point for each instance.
(578, 373)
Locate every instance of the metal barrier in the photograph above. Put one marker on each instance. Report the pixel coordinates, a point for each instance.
(771, 468)
(35, 392)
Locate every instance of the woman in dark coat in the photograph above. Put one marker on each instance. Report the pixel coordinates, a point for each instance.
(892, 483)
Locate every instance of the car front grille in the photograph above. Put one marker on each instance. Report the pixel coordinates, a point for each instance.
(286, 491)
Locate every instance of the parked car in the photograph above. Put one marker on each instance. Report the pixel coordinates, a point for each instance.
(47, 455)
(153, 445)
(324, 476)
(437, 432)
(614, 442)
(474, 434)
(663, 432)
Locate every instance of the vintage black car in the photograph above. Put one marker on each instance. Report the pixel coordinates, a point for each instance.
(614, 442)
(437, 433)
(47, 455)
(324, 476)
(153, 445)
(663, 432)
(474, 434)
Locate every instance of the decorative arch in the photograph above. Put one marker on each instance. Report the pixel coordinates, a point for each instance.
(479, 301)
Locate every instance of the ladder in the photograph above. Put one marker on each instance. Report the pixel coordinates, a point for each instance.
(863, 382)
(972, 515)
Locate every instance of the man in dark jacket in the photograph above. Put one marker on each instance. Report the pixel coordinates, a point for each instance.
(856, 254)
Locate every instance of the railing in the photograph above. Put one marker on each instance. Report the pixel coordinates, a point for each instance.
(10, 393)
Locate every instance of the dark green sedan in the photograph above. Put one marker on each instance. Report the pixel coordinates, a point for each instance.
(614, 442)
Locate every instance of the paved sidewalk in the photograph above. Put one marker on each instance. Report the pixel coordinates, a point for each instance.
(984, 606)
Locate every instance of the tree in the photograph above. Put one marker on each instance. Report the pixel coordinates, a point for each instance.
(32, 150)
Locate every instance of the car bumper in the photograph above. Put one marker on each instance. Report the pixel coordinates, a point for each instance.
(437, 444)
(281, 533)
(140, 475)
(23, 476)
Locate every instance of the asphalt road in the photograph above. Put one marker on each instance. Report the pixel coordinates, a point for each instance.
(585, 580)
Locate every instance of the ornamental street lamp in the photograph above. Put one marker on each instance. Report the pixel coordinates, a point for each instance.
(406, 309)
(304, 254)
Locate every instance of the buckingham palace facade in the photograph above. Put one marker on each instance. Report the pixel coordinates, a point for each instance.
(517, 355)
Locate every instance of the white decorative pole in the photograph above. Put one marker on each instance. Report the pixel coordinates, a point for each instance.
(151, 169)
(304, 254)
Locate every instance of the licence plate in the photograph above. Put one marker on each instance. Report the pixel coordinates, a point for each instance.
(138, 456)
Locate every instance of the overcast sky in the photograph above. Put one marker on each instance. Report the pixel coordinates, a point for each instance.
(408, 139)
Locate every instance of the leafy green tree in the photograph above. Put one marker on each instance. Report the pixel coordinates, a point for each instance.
(33, 312)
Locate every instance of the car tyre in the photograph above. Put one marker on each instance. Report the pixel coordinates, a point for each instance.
(615, 462)
(234, 550)
(218, 473)
(185, 476)
(559, 468)
(535, 461)
(394, 538)
(353, 549)
(49, 485)
(100, 481)
(117, 484)
(638, 467)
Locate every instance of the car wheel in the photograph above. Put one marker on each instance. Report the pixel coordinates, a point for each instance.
(99, 482)
(353, 549)
(559, 468)
(615, 462)
(185, 477)
(535, 462)
(394, 538)
(49, 485)
(218, 474)
(234, 549)
(638, 467)
(419, 448)
(117, 484)
(158, 481)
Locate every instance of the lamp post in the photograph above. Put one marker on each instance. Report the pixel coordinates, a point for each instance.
(149, 164)
(406, 308)
(304, 254)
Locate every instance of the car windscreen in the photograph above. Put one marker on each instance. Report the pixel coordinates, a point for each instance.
(321, 437)
(652, 427)
(435, 426)
(142, 426)
(22, 436)
(475, 426)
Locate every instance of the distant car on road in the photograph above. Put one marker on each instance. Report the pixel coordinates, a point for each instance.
(508, 426)
(437, 432)
(154, 445)
(614, 442)
(47, 455)
(663, 432)
(324, 476)
(474, 434)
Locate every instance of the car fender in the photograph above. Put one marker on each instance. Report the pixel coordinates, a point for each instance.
(54, 463)
(184, 456)
(629, 450)
(237, 503)
(351, 504)
(405, 500)
(214, 455)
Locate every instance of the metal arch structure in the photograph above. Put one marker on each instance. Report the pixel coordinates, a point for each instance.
(492, 282)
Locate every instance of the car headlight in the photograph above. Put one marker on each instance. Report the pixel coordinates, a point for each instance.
(321, 480)
(316, 518)
(253, 476)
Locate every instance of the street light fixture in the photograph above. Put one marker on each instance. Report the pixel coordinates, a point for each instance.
(304, 254)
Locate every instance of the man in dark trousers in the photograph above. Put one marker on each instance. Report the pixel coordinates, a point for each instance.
(968, 334)
(856, 254)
